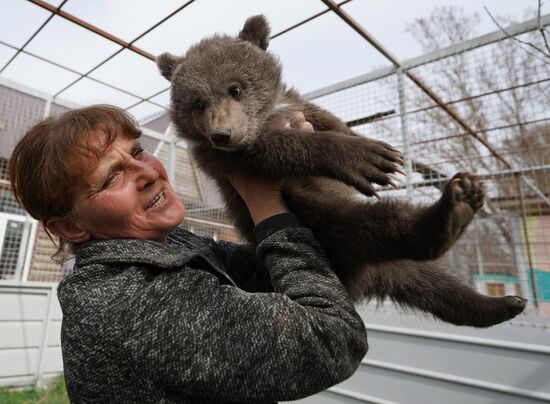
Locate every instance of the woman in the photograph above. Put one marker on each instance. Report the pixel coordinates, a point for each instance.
(154, 313)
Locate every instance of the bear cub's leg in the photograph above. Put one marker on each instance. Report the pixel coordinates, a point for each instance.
(388, 229)
(425, 286)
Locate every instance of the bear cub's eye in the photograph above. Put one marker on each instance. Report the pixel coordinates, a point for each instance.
(198, 105)
(234, 91)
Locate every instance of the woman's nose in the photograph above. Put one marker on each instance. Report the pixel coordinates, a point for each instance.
(145, 175)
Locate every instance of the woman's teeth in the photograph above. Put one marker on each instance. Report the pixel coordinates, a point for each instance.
(158, 200)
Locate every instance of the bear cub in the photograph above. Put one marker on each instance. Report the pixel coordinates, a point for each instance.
(229, 102)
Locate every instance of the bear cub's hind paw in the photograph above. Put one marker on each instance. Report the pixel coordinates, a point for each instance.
(465, 188)
(515, 305)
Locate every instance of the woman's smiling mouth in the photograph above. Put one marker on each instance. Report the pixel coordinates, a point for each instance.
(159, 200)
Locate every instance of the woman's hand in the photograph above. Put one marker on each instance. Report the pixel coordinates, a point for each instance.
(263, 196)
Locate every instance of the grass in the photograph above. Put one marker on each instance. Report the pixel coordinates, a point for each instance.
(54, 393)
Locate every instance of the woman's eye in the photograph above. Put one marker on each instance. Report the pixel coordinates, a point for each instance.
(110, 180)
(139, 153)
(234, 91)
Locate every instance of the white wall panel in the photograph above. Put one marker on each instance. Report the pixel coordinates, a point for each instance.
(26, 307)
(17, 334)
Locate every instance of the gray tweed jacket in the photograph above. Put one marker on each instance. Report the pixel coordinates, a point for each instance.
(145, 322)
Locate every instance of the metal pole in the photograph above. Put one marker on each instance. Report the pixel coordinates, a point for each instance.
(527, 242)
(23, 245)
(172, 164)
(404, 131)
(479, 255)
(519, 258)
(44, 338)
(29, 221)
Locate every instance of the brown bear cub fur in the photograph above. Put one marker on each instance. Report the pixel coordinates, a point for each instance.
(229, 102)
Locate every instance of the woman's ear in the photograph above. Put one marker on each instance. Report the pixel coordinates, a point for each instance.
(68, 230)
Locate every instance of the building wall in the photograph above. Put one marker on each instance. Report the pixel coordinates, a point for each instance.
(30, 326)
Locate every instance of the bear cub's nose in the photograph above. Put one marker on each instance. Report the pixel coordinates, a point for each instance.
(220, 136)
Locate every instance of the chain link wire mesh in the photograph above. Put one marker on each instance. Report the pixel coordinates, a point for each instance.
(503, 93)
(500, 90)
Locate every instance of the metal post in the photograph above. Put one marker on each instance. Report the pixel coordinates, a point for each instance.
(479, 255)
(33, 224)
(48, 107)
(44, 338)
(172, 163)
(24, 244)
(404, 131)
(519, 258)
(527, 243)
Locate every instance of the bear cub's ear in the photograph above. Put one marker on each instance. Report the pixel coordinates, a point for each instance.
(167, 64)
(256, 30)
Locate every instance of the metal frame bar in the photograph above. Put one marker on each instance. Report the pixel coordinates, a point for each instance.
(29, 247)
(526, 239)
(404, 131)
(93, 28)
(481, 95)
(129, 45)
(466, 46)
(112, 38)
(19, 50)
(85, 75)
(483, 177)
(120, 50)
(284, 31)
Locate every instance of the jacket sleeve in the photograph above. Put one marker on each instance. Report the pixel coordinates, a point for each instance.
(216, 341)
(240, 260)
(242, 264)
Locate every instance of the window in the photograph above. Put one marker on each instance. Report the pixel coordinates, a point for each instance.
(495, 289)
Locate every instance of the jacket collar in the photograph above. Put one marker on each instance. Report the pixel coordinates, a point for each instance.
(181, 247)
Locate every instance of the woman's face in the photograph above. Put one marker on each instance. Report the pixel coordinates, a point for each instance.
(128, 195)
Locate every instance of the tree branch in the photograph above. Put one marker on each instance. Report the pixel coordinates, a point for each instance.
(515, 39)
(541, 28)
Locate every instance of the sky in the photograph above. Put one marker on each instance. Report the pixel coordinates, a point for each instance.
(317, 54)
